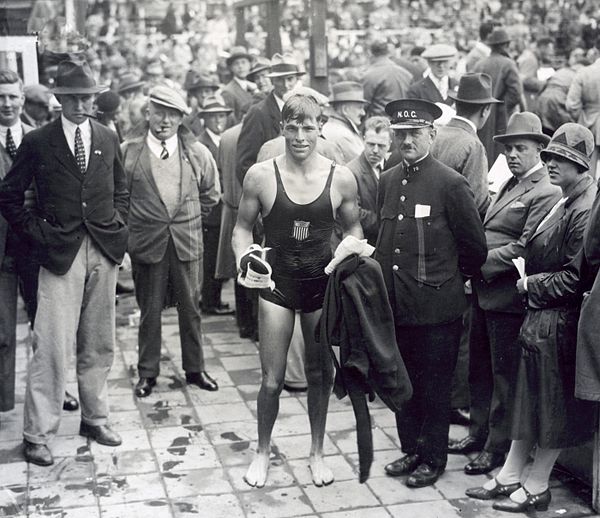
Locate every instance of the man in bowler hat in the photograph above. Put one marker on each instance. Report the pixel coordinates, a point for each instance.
(79, 232)
(430, 239)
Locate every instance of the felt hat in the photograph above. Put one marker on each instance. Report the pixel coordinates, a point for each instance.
(236, 53)
(214, 104)
(474, 89)
(129, 81)
(75, 77)
(412, 113)
(497, 37)
(347, 91)
(284, 65)
(197, 80)
(573, 142)
(108, 101)
(439, 52)
(525, 125)
(169, 97)
(258, 65)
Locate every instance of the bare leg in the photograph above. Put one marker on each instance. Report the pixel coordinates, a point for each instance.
(275, 329)
(319, 376)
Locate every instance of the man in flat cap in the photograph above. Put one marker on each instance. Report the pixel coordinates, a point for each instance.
(173, 183)
(238, 92)
(437, 83)
(36, 110)
(430, 239)
(79, 234)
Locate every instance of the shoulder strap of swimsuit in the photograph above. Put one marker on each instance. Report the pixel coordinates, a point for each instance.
(277, 174)
(330, 177)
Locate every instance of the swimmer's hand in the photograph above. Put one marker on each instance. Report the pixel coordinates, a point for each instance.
(349, 245)
(254, 271)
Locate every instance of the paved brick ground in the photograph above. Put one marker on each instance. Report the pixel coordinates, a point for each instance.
(184, 450)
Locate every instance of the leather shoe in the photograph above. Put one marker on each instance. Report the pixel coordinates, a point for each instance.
(468, 444)
(143, 387)
(221, 309)
(402, 466)
(540, 502)
(484, 463)
(482, 493)
(70, 403)
(102, 434)
(202, 380)
(37, 453)
(424, 475)
(460, 416)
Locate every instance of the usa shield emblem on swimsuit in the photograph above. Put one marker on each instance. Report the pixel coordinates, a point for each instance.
(300, 230)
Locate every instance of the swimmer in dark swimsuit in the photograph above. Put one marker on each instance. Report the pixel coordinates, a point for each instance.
(298, 194)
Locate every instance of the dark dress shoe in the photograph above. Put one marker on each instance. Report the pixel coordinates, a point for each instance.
(143, 387)
(202, 380)
(489, 494)
(102, 434)
(70, 403)
(424, 475)
(540, 502)
(484, 463)
(37, 454)
(468, 444)
(460, 416)
(402, 466)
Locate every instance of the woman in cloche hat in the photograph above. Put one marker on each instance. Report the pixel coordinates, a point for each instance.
(546, 413)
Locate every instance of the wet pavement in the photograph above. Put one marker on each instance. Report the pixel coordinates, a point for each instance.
(185, 450)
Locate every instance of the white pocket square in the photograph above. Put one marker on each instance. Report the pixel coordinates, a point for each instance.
(517, 205)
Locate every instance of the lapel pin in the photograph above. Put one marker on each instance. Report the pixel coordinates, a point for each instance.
(97, 152)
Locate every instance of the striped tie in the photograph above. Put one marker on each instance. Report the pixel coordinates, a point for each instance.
(164, 154)
(10, 145)
(79, 151)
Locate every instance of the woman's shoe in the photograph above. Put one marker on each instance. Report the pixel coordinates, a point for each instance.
(540, 502)
(481, 493)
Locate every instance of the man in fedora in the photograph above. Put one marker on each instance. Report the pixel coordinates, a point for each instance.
(506, 87)
(498, 310)
(79, 233)
(263, 120)
(173, 183)
(343, 126)
(214, 113)
(430, 239)
(436, 83)
(238, 92)
(259, 75)
(199, 86)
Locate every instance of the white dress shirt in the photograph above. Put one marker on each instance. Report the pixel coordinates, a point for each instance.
(86, 135)
(440, 84)
(16, 132)
(214, 137)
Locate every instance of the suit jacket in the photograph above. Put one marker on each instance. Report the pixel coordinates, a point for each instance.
(509, 223)
(150, 225)
(384, 81)
(238, 99)
(367, 196)
(458, 146)
(69, 204)
(213, 219)
(424, 259)
(261, 123)
(425, 89)
(583, 99)
(507, 87)
(346, 137)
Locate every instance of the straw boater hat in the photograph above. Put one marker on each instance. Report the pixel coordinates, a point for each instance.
(347, 91)
(75, 77)
(284, 65)
(214, 104)
(525, 125)
(573, 142)
(169, 97)
(412, 113)
(474, 89)
(236, 53)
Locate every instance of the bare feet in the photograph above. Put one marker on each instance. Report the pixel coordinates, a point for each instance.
(321, 474)
(256, 476)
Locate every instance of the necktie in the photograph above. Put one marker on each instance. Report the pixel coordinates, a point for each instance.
(10, 144)
(164, 154)
(79, 151)
(511, 183)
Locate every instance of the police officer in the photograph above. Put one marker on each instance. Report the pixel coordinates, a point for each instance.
(430, 240)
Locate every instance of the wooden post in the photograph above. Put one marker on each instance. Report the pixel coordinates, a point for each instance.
(273, 43)
(318, 46)
(240, 26)
(596, 468)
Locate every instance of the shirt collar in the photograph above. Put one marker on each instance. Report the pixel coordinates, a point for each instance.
(71, 127)
(470, 123)
(242, 82)
(156, 147)
(535, 168)
(213, 136)
(415, 165)
(279, 102)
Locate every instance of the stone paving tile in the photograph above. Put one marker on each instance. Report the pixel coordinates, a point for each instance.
(238, 453)
(129, 420)
(80, 512)
(147, 509)
(393, 490)
(178, 436)
(342, 469)
(71, 493)
(280, 475)
(298, 446)
(453, 485)
(13, 473)
(371, 512)
(241, 363)
(219, 506)
(203, 481)
(223, 413)
(133, 440)
(227, 433)
(343, 494)
(13, 500)
(186, 458)
(121, 489)
(244, 347)
(125, 463)
(167, 416)
(224, 395)
(276, 502)
(346, 440)
(439, 509)
(64, 468)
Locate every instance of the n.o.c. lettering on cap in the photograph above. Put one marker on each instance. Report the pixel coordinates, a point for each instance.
(405, 113)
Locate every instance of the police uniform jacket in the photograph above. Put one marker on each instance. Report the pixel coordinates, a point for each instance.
(425, 259)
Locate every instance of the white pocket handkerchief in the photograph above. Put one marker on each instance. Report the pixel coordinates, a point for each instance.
(517, 205)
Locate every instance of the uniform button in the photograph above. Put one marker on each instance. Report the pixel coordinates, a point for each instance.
(404, 182)
(400, 217)
(402, 198)
(395, 267)
(397, 251)
(84, 204)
